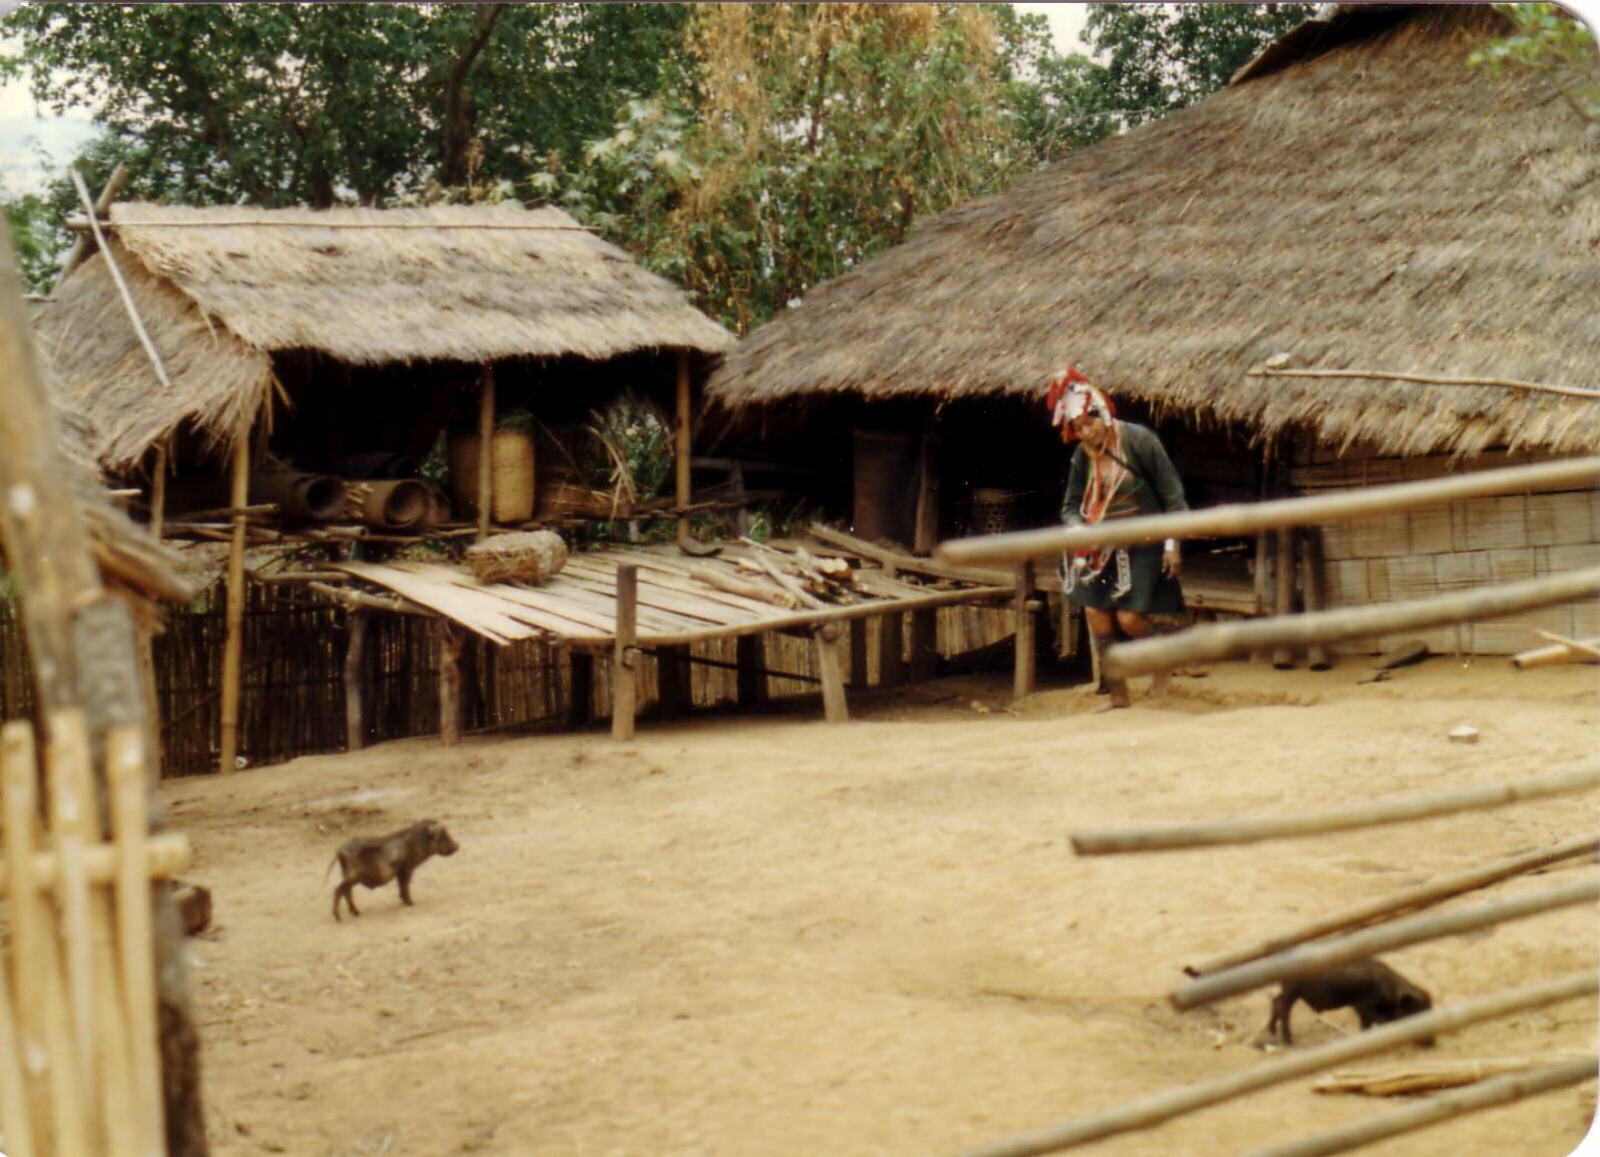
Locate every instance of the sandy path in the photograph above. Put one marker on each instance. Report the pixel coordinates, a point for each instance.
(774, 936)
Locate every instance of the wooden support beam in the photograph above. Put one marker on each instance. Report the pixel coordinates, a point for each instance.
(1237, 519)
(1206, 644)
(1313, 585)
(1024, 615)
(355, 720)
(233, 641)
(624, 655)
(451, 638)
(1150, 1111)
(830, 666)
(485, 450)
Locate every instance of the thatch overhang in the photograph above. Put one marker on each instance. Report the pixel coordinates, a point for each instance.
(221, 289)
(1375, 205)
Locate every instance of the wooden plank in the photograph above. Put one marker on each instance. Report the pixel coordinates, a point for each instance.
(678, 578)
(512, 602)
(687, 610)
(478, 616)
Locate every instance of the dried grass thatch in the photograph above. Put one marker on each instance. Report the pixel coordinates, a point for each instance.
(220, 289)
(1371, 204)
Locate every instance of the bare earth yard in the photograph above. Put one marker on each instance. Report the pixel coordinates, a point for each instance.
(776, 936)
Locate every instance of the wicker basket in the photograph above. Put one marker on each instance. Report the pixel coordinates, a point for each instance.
(993, 511)
(510, 475)
(531, 556)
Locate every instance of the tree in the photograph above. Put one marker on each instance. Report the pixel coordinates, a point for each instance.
(1553, 42)
(1163, 57)
(318, 104)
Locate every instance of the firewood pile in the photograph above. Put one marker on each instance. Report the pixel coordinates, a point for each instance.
(790, 577)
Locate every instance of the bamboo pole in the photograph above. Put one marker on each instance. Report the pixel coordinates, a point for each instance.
(1561, 653)
(1427, 379)
(122, 1130)
(134, 868)
(122, 286)
(1024, 610)
(169, 855)
(485, 449)
(624, 655)
(1149, 1111)
(1420, 896)
(680, 444)
(1312, 958)
(1496, 1091)
(355, 724)
(1227, 640)
(70, 804)
(1588, 650)
(1238, 519)
(158, 492)
(16, 1103)
(1167, 837)
(80, 245)
(451, 638)
(233, 643)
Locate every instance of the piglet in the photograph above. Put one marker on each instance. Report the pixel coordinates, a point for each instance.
(374, 861)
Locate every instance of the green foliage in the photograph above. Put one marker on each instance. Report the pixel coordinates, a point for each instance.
(1554, 42)
(1163, 57)
(37, 240)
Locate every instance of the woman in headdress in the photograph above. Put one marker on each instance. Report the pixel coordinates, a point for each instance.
(1119, 470)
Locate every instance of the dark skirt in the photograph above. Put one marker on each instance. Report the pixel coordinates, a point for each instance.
(1153, 592)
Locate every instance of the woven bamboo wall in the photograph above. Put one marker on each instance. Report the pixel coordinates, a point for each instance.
(1453, 548)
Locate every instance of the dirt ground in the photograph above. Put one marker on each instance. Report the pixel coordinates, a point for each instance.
(772, 935)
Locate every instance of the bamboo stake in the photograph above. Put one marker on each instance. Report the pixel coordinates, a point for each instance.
(120, 1118)
(16, 1113)
(1427, 379)
(485, 450)
(48, 1052)
(1238, 519)
(135, 866)
(71, 805)
(1311, 958)
(1227, 640)
(1153, 1110)
(233, 643)
(1421, 896)
(1496, 1091)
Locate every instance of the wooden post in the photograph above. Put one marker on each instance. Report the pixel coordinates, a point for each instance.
(751, 659)
(1314, 588)
(830, 667)
(580, 705)
(450, 640)
(680, 444)
(1283, 593)
(485, 450)
(158, 492)
(624, 666)
(925, 529)
(233, 644)
(675, 678)
(1023, 612)
(355, 721)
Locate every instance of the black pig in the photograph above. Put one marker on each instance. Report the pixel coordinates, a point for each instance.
(373, 862)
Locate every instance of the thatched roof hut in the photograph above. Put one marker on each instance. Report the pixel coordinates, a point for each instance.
(222, 290)
(1358, 198)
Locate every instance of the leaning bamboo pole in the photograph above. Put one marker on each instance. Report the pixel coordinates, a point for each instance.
(80, 246)
(1159, 1107)
(1169, 837)
(1496, 1091)
(1248, 518)
(1312, 958)
(1219, 641)
(1420, 896)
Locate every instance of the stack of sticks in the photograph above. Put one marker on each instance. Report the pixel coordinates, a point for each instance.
(790, 578)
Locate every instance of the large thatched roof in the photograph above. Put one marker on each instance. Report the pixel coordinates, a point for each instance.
(1366, 202)
(220, 289)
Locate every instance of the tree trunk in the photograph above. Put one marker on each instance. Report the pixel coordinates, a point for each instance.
(460, 110)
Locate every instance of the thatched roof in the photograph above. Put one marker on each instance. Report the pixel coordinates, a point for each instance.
(1373, 204)
(220, 289)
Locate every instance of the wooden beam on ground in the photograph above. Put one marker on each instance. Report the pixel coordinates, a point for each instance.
(485, 449)
(1206, 644)
(233, 641)
(1497, 1091)
(451, 638)
(1168, 837)
(624, 655)
(355, 720)
(830, 666)
(1024, 615)
(1311, 958)
(1421, 896)
(1152, 1110)
(1238, 519)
